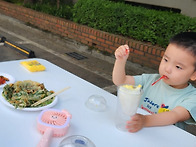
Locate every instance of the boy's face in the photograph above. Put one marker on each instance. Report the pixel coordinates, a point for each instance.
(177, 65)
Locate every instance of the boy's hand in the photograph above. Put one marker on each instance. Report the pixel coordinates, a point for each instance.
(136, 123)
(122, 52)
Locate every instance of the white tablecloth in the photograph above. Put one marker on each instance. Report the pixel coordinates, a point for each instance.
(18, 128)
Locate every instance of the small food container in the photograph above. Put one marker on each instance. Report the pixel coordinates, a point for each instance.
(76, 141)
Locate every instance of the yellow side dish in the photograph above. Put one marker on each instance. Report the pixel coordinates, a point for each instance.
(33, 65)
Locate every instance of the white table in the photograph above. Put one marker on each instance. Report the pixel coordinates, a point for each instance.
(18, 128)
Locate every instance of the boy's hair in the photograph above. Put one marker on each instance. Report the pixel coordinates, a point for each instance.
(187, 40)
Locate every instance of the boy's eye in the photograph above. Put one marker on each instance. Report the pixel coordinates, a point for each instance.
(178, 67)
(165, 59)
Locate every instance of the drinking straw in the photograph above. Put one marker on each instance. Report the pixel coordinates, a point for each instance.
(158, 79)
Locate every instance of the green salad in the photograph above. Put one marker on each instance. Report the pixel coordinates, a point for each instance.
(22, 94)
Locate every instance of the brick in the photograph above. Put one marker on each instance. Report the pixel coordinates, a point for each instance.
(81, 37)
(116, 45)
(96, 42)
(84, 34)
(92, 37)
(101, 48)
(145, 49)
(154, 51)
(57, 25)
(113, 48)
(141, 47)
(109, 50)
(103, 35)
(162, 53)
(131, 50)
(159, 59)
(149, 50)
(138, 52)
(137, 46)
(149, 55)
(133, 44)
(101, 40)
(112, 38)
(122, 41)
(116, 40)
(129, 44)
(126, 41)
(109, 42)
(77, 32)
(97, 34)
(104, 45)
(88, 39)
(158, 52)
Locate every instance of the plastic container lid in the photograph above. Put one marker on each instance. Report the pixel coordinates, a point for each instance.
(96, 103)
(76, 141)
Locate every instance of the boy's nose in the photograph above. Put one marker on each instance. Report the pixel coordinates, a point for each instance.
(168, 69)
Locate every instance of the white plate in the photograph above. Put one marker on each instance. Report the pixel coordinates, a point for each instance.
(11, 79)
(3, 100)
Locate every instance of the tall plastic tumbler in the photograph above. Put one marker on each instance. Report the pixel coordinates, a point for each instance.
(128, 100)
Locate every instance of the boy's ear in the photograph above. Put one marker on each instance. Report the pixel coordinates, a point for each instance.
(193, 76)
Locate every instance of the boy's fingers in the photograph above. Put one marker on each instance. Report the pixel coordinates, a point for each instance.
(135, 117)
(126, 46)
(132, 128)
(122, 51)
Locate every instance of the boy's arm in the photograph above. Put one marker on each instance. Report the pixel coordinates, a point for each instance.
(119, 76)
(139, 121)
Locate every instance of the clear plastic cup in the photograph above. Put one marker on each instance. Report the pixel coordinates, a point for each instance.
(127, 104)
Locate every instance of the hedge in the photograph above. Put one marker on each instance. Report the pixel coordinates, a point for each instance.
(135, 22)
(117, 17)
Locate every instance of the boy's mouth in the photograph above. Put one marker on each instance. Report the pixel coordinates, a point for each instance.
(165, 77)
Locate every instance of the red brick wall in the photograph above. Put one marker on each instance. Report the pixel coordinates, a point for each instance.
(144, 54)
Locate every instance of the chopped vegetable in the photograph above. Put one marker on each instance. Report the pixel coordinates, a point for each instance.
(23, 94)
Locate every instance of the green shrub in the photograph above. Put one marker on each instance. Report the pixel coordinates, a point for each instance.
(64, 11)
(116, 17)
(130, 21)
